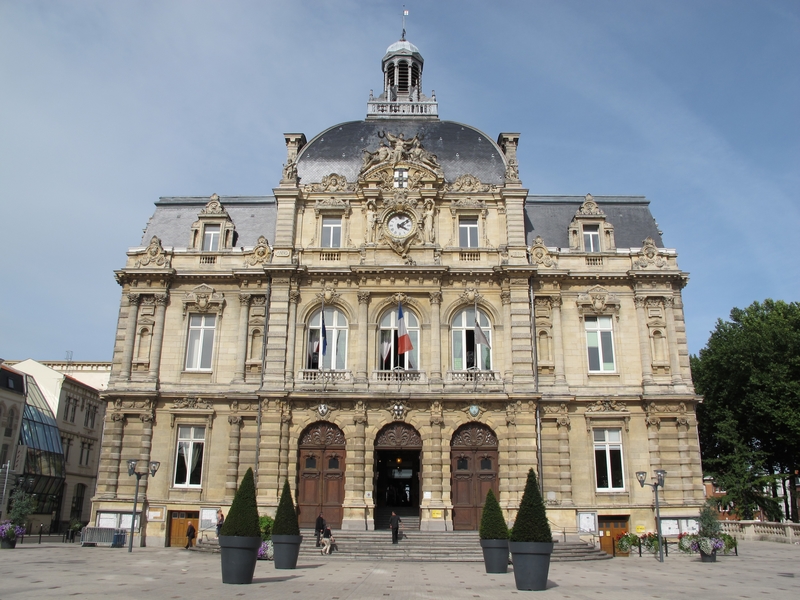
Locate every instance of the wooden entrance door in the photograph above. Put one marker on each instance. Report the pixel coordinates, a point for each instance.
(321, 474)
(610, 528)
(178, 523)
(473, 456)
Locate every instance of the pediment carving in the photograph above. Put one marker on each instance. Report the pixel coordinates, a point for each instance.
(589, 208)
(540, 255)
(398, 435)
(330, 183)
(322, 434)
(214, 207)
(260, 255)
(467, 183)
(474, 435)
(649, 256)
(154, 256)
(598, 301)
(332, 204)
(203, 299)
(396, 149)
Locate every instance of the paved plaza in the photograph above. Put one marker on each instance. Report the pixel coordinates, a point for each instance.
(54, 570)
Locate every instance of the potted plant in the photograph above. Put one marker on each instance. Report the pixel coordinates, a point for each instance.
(9, 534)
(494, 536)
(708, 538)
(286, 536)
(625, 543)
(240, 537)
(531, 541)
(266, 551)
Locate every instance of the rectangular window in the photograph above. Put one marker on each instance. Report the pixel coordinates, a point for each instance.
(66, 408)
(86, 416)
(468, 232)
(201, 342)
(600, 344)
(66, 444)
(189, 456)
(401, 178)
(211, 238)
(591, 238)
(4, 454)
(331, 232)
(83, 449)
(72, 410)
(608, 459)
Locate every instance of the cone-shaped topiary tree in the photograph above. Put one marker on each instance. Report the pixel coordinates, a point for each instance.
(286, 515)
(242, 518)
(531, 524)
(493, 525)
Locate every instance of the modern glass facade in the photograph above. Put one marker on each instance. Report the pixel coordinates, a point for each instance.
(44, 471)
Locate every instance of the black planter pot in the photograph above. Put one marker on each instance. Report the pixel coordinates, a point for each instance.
(531, 564)
(708, 557)
(8, 544)
(239, 556)
(495, 555)
(286, 549)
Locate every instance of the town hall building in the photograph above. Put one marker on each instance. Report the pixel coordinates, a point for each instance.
(401, 326)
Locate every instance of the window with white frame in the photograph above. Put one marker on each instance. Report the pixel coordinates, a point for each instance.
(189, 456)
(335, 346)
(401, 178)
(600, 343)
(331, 232)
(469, 351)
(86, 450)
(468, 232)
(200, 342)
(591, 238)
(388, 355)
(211, 235)
(608, 459)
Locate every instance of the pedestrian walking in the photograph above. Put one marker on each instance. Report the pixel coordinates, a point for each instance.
(191, 533)
(319, 527)
(327, 540)
(394, 524)
(220, 521)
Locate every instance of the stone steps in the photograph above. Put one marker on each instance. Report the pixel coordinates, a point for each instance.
(450, 546)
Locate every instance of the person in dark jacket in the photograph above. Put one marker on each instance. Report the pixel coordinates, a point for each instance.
(191, 533)
(319, 527)
(394, 525)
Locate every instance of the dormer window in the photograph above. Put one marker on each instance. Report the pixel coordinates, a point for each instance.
(211, 238)
(591, 238)
(331, 232)
(401, 178)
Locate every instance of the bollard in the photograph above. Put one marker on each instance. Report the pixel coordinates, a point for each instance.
(40, 532)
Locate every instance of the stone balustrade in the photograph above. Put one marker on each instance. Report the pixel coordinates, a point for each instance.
(788, 533)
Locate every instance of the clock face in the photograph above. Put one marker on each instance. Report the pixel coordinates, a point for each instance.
(400, 225)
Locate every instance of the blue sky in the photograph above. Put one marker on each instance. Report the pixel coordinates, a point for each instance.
(106, 106)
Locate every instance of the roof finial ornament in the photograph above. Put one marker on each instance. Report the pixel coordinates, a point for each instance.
(405, 14)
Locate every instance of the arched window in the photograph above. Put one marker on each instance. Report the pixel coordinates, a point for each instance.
(388, 355)
(330, 352)
(256, 341)
(143, 352)
(544, 347)
(469, 350)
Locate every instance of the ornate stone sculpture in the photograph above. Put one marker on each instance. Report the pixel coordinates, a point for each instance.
(260, 255)
(154, 256)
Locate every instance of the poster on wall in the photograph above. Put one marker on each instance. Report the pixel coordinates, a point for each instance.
(587, 522)
(208, 518)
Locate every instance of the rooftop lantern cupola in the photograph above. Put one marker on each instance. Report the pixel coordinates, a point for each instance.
(402, 86)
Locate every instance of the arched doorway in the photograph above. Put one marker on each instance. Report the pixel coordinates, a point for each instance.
(398, 452)
(473, 456)
(321, 474)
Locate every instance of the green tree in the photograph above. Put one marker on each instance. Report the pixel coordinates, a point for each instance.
(22, 506)
(243, 516)
(493, 525)
(531, 524)
(749, 421)
(286, 515)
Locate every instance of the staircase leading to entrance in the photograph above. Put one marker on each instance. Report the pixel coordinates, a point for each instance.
(408, 515)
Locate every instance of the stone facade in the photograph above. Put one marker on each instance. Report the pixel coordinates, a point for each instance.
(581, 355)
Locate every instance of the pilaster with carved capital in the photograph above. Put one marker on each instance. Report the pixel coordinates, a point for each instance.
(436, 332)
(130, 334)
(362, 376)
(161, 301)
(232, 473)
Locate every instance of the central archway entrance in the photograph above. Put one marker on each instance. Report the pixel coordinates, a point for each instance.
(398, 454)
(473, 455)
(320, 471)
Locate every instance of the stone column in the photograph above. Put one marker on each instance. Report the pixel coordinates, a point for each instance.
(508, 355)
(144, 453)
(269, 449)
(291, 339)
(644, 341)
(564, 463)
(354, 509)
(436, 337)
(508, 462)
(283, 460)
(158, 336)
(108, 476)
(682, 425)
(362, 355)
(241, 346)
(232, 474)
(674, 358)
(558, 345)
(130, 334)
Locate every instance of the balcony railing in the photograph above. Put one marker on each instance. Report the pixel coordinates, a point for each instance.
(472, 376)
(398, 376)
(316, 376)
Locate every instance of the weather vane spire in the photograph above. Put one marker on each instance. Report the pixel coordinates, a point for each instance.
(405, 14)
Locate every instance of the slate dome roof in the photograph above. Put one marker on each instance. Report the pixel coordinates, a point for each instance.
(460, 149)
(403, 47)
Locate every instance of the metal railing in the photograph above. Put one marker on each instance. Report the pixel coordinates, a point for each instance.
(103, 535)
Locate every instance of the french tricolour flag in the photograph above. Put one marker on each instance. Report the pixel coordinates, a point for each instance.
(403, 340)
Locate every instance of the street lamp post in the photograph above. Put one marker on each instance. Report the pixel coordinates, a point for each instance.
(132, 471)
(659, 483)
